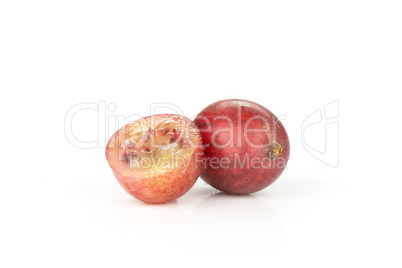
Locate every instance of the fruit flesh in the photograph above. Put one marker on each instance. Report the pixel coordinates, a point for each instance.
(246, 147)
(163, 140)
(156, 159)
(142, 145)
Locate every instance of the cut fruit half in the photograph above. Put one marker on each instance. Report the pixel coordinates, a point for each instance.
(156, 158)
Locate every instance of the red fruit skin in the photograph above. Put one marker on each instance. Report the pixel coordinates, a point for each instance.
(159, 188)
(163, 188)
(232, 147)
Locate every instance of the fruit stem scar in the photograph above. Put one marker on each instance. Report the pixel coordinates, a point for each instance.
(274, 149)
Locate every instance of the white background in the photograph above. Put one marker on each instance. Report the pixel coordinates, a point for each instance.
(61, 205)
